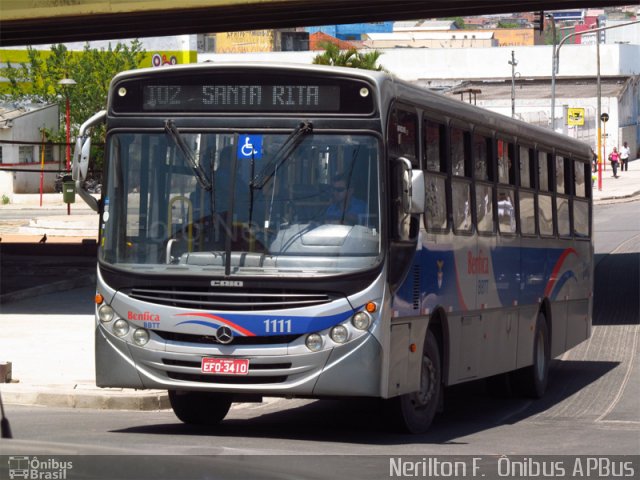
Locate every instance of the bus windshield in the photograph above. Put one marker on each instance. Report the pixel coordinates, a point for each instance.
(297, 203)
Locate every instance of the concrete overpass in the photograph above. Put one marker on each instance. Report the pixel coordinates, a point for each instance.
(38, 22)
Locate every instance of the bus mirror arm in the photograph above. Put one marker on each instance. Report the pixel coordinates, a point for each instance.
(93, 203)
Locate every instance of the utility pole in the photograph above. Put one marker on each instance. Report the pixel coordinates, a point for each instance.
(513, 62)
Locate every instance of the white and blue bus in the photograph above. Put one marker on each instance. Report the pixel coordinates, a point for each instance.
(306, 231)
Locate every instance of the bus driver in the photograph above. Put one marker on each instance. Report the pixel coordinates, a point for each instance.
(344, 207)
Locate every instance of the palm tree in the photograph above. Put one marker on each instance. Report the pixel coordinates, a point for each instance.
(332, 55)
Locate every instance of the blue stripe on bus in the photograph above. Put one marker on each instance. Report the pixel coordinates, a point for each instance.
(520, 275)
(266, 325)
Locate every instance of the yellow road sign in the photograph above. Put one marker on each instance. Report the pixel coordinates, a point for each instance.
(575, 116)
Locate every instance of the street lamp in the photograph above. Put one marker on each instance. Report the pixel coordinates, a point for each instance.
(66, 84)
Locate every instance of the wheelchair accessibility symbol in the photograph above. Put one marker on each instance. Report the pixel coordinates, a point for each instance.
(250, 146)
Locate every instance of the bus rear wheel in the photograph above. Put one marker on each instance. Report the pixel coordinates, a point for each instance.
(532, 381)
(199, 408)
(414, 412)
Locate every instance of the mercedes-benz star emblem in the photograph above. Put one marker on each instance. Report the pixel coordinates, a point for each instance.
(224, 334)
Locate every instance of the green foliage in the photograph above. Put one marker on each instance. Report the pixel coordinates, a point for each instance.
(332, 55)
(458, 22)
(508, 25)
(36, 81)
(5, 200)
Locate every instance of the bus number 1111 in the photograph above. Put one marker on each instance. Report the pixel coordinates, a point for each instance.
(277, 325)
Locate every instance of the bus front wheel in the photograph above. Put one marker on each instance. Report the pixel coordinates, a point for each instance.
(199, 408)
(532, 381)
(414, 412)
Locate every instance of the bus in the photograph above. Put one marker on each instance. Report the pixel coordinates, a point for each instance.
(309, 231)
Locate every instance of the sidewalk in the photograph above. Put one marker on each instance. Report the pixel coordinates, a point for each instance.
(52, 360)
(626, 186)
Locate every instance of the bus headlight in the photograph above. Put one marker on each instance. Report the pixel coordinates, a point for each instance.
(140, 337)
(120, 327)
(105, 313)
(361, 320)
(339, 334)
(314, 342)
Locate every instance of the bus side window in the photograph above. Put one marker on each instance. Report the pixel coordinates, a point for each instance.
(545, 199)
(481, 149)
(582, 172)
(434, 146)
(506, 167)
(435, 203)
(526, 195)
(403, 135)
(435, 215)
(460, 152)
(506, 211)
(560, 187)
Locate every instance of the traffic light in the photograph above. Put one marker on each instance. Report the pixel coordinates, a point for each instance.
(538, 21)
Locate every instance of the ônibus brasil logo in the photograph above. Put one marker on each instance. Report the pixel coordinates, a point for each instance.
(33, 468)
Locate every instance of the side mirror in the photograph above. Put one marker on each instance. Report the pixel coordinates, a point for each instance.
(81, 157)
(82, 151)
(412, 188)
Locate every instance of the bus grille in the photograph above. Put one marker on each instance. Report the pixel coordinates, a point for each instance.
(228, 300)
(227, 379)
(209, 339)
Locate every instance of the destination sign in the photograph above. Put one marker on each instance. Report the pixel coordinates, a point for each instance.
(244, 91)
(241, 98)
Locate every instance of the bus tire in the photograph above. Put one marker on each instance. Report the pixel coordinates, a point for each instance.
(199, 408)
(414, 412)
(532, 381)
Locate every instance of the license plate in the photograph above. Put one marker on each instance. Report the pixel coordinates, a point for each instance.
(225, 366)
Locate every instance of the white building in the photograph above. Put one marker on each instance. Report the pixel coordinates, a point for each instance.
(447, 68)
(21, 151)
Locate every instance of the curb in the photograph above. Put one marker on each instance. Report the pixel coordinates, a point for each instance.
(617, 198)
(54, 287)
(66, 397)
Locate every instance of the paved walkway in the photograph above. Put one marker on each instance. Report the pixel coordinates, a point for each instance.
(626, 186)
(48, 337)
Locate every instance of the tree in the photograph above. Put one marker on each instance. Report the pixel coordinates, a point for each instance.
(36, 81)
(458, 22)
(351, 57)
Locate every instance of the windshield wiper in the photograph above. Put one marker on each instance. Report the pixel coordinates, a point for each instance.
(283, 153)
(174, 133)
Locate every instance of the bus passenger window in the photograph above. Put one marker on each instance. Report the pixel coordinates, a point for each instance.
(581, 218)
(459, 152)
(564, 226)
(434, 146)
(526, 157)
(543, 172)
(436, 203)
(545, 215)
(506, 211)
(560, 188)
(579, 176)
(506, 173)
(484, 208)
(527, 213)
(403, 135)
(481, 152)
(461, 196)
